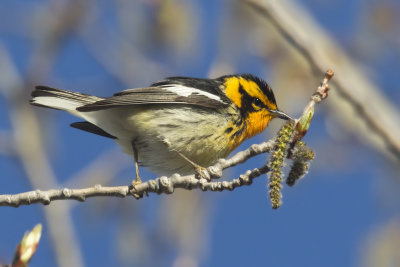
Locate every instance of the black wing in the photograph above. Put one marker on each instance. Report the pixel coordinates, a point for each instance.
(174, 90)
(91, 128)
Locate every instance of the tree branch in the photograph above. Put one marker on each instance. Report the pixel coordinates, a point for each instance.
(159, 185)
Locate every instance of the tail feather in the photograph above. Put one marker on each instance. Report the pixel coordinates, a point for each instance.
(49, 97)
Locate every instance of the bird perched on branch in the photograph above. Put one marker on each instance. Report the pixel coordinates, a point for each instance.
(177, 125)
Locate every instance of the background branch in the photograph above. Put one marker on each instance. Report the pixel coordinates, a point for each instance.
(29, 147)
(370, 107)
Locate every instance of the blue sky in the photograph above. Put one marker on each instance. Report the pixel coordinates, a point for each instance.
(327, 219)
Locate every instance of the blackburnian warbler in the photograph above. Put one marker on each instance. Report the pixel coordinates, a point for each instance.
(175, 124)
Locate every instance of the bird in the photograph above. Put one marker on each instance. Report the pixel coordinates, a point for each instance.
(176, 125)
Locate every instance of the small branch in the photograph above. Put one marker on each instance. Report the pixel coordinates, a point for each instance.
(322, 90)
(159, 185)
(45, 197)
(215, 171)
(303, 123)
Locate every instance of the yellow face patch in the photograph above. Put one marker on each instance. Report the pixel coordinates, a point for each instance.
(232, 90)
(253, 90)
(245, 93)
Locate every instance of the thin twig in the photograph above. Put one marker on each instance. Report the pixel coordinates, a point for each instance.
(322, 90)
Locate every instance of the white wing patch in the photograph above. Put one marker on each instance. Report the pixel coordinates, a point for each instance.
(187, 91)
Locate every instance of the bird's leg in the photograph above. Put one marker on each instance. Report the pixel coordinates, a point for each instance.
(197, 168)
(138, 180)
(136, 158)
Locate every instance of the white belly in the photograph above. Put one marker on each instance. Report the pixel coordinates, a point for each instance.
(159, 134)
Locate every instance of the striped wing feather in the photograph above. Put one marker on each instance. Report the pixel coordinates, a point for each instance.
(170, 94)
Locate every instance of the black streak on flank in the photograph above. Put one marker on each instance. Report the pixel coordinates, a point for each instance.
(237, 120)
(206, 136)
(239, 131)
(168, 125)
(228, 130)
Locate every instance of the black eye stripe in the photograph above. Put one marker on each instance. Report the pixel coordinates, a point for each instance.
(249, 103)
(258, 103)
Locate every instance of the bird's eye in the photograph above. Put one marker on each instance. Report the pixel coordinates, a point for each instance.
(257, 102)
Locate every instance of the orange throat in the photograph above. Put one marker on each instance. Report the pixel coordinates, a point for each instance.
(255, 124)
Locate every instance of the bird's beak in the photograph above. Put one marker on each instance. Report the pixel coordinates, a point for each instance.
(280, 114)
